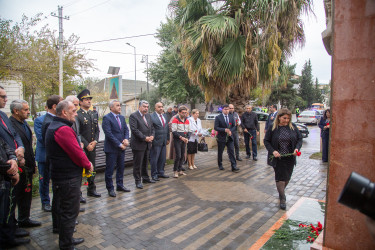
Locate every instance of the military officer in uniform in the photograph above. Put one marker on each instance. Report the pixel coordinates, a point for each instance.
(89, 132)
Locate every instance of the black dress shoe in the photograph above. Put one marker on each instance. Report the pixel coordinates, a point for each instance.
(238, 158)
(46, 208)
(77, 241)
(82, 209)
(255, 159)
(122, 188)
(20, 232)
(282, 206)
(82, 200)
(139, 185)
(163, 176)
(183, 169)
(112, 193)
(247, 156)
(29, 223)
(221, 168)
(148, 181)
(235, 170)
(93, 193)
(17, 242)
(155, 179)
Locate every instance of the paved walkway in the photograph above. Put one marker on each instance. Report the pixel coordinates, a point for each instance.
(207, 209)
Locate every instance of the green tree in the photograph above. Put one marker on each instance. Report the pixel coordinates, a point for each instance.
(168, 73)
(284, 92)
(32, 57)
(318, 92)
(306, 89)
(230, 47)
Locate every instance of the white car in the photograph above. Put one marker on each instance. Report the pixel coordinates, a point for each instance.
(309, 116)
(211, 116)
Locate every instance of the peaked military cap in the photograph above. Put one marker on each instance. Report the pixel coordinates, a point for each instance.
(84, 94)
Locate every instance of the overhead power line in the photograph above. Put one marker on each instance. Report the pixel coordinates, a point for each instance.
(114, 39)
(114, 52)
(90, 8)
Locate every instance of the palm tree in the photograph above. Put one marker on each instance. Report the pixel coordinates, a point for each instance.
(229, 47)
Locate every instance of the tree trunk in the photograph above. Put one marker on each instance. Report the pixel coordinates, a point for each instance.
(192, 105)
(33, 109)
(239, 99)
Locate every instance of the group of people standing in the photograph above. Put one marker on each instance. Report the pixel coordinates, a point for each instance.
(67, 137)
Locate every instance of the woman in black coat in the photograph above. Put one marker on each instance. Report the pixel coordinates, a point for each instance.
(283, 138)
(324, 128)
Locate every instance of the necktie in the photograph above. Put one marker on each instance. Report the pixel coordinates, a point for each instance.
(144, 118)
(15, 143)
(226, 120)
(118, 121)
(162, 120)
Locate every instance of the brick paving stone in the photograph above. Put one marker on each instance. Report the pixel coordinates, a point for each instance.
(207, 209)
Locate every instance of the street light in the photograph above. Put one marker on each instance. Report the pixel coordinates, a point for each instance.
(135, 76)
(145, 60)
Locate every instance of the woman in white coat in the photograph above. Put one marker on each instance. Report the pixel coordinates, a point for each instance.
(196, 132)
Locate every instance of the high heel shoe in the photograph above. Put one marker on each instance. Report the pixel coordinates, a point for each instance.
(195, 167)
(191, 167)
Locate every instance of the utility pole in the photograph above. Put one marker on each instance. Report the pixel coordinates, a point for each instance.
(61, 51)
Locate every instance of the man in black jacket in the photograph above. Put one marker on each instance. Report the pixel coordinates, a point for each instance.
(8, 177)
(23, 190)
(66, 161)
(143, 133)
(250, 128)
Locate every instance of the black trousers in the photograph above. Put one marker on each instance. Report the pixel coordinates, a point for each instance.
(140, 165)
(236, 141)
(23, 196)
(7, 222)
(65, 209)
(230, 149)
(91, 155)
(179, 147)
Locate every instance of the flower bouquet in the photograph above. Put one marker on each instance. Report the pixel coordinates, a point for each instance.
(87, 174)
(209, 132)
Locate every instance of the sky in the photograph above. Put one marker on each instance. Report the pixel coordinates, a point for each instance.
(95, 20)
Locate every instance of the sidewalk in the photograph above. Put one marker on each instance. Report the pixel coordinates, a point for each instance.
(207, 209)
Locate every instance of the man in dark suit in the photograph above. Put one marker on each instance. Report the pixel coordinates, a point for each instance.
(9, 230)
(158, 151)
(250, 126)
(23, 190)
(89, 131)
(40, 151)
(9, 135)
(225, 126)
(116, 140)
(143, 134)
(271, 118)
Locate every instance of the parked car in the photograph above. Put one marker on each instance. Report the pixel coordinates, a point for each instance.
(309, 116)
(261, 115)
(303, 129)
(211, 116)
(257, 109)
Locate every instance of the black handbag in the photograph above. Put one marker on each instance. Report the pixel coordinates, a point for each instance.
(202, 146)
